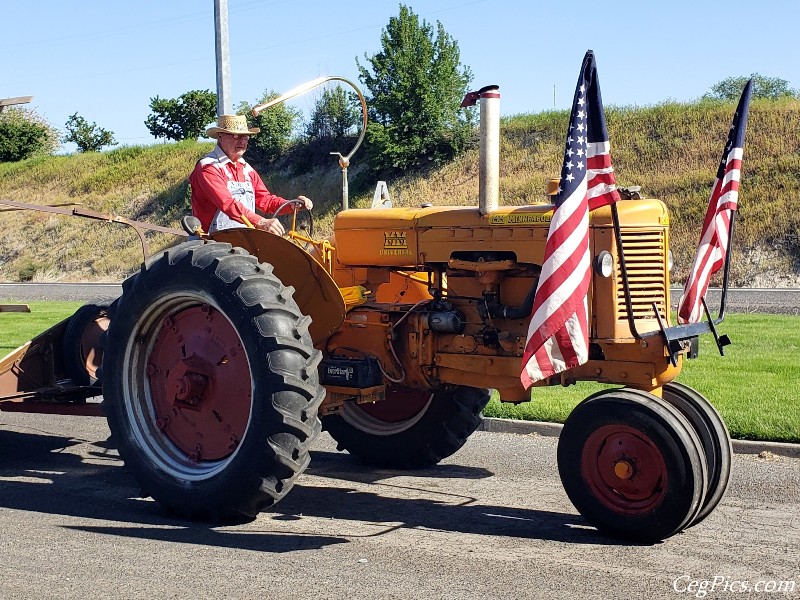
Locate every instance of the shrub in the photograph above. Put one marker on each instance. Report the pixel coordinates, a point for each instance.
(731, 88)
(416, 86)
(276, 123)
(23, 134)
(336, 113)
(27, 269)
(184, 117)
(88, 138)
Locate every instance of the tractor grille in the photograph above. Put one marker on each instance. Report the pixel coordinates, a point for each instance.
(645, 259)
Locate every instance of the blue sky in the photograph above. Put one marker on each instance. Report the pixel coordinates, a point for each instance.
(106, 59)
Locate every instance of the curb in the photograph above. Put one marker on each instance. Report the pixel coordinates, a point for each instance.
(494, 425)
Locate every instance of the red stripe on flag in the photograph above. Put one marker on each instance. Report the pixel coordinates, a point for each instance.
(600, 178)
(558, 315)
(599, 161)
(603, 200)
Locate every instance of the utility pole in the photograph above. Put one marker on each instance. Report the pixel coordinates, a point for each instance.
(224, 106)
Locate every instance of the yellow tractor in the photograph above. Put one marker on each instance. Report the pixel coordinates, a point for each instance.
(227, 354)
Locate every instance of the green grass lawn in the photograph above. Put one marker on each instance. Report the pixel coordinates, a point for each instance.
(755, 386)
(17, 328)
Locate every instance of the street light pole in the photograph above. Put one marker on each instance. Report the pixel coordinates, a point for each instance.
(224, 106)
(14, 101)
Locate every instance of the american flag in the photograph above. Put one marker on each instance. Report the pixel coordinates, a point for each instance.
(558, 335)
(717, 224)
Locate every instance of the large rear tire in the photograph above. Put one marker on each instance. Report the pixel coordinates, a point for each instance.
(632, 465)
(410, 429)
(211, 384)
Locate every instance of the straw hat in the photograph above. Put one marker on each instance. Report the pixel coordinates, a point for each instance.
(231, 124)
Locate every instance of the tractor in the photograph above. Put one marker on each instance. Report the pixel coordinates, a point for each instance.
(227, 354)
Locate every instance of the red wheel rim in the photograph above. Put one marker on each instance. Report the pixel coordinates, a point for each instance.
(399, 405)
(624, 469)
(200, 384)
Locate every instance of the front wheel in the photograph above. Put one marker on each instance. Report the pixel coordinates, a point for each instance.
(410, 429)
(211, 382)
(632, 465)
(714, 435)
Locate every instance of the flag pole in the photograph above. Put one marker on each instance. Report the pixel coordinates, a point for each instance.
(727, 270)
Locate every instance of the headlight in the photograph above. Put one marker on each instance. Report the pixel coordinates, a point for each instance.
(604, 264)
(670, 261)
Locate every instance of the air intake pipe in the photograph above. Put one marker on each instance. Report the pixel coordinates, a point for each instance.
(489, 169)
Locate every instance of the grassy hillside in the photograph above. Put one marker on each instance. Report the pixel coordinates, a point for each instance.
(141, 183)
(671, 150)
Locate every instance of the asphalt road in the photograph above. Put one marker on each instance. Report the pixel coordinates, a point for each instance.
(774, 300)
(83, 292)
(490, 522)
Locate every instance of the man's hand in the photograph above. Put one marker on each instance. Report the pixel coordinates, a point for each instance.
(308, 204)
(271, 225)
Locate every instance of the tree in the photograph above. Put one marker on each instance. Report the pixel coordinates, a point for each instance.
(763, 87)
(183, 118)
(276, 124)
(335, 114)
(416, 84)
(23, 134)
(88, 138)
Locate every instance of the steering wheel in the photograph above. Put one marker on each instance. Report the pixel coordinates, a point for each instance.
(299, 219)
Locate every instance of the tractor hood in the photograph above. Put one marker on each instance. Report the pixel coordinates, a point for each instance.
(412, 237)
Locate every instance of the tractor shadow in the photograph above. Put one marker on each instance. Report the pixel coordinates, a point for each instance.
(450, 512)
(41, 473)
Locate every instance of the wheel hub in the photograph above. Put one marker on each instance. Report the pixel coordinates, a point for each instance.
(189, 381)
(200, 383)
(190, 388)
(624, 469)
(90, 344)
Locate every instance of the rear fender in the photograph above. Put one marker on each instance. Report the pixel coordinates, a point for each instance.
(315, 291)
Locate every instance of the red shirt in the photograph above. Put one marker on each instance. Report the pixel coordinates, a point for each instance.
(209, 182)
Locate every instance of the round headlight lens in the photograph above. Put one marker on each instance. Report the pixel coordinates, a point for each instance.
(604, 264)
(670, 261)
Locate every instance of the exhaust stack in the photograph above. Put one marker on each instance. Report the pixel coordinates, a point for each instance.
(489, 167)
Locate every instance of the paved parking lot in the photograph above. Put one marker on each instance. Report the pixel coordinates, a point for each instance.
(490, 522)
